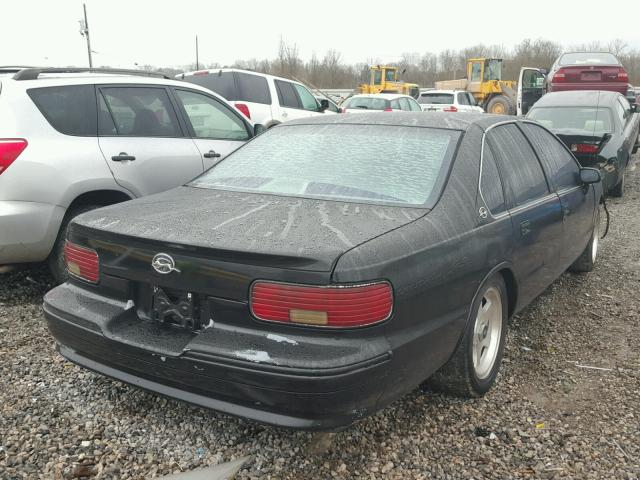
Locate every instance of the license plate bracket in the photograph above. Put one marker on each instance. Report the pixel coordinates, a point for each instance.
(180, 309)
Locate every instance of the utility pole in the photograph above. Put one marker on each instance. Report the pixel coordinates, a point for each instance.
(197, 61)
(84, 31)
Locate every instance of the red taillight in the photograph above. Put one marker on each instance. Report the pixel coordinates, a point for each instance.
(452, 108)
(559, 76)
(82, 262)
(584, 148)
(10, 149)
(623, 76)
(388, 110)
(244, 108)
(329, 306)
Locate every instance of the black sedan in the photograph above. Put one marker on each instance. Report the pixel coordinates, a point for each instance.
(329, 266)
(601, 129)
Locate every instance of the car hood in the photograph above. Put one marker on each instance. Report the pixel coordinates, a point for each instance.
(313, 232)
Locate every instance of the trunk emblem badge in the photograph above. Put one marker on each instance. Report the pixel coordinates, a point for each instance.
(164, 263)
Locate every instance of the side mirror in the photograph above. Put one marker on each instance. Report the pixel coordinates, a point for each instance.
(324, 104)
(258, 128)
(590, 175)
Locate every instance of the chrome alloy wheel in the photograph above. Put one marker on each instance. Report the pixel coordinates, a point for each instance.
(487, 332)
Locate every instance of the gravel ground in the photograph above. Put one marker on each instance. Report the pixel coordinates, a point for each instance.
(548, 416)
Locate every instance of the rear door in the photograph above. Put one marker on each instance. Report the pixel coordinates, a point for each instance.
(530, 89)
(535, 211)
(577, 200)
(143, 139)
(216, 129)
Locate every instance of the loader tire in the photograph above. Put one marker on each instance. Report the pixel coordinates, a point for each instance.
(501, 105)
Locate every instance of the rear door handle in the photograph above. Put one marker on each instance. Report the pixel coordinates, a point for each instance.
(525, 228)
(123, 156)
(211, 154)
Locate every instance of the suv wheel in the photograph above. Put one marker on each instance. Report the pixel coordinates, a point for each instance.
(56, 262)
(474, 366)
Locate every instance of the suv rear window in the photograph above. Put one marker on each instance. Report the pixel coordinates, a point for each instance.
(585, 58)
(220, 82)
(70, 109)
(436, 98)
(252, 88)
(360, 163)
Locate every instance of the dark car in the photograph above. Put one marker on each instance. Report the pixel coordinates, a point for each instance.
(600, 128)
(329, 266)
(587, 71)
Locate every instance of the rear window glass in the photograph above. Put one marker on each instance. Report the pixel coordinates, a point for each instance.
(583, 58)
(220, 82)
(436, 98)
(70, 109)
(371, 164)
(253, 88)
(574, 120)
(367, 103)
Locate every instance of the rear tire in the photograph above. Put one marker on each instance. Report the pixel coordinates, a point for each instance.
(501, 105)
(587, 259)
(56, 262)
(618, 190)
(474, 366)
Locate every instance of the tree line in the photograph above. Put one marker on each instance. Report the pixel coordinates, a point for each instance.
(331, 71)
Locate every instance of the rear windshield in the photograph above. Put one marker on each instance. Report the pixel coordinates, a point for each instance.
(367, 103)
(220, 82)
(358, 163)
(598, 58)
(436, 98)
(588, 121)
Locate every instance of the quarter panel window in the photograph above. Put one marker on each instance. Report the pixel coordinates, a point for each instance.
(462, 98)
(415, 106)
(210, 119)
(404, 104)
(287, 95)
(70, 109)
(253, 88)
(491, 184)
(557, 161)
(518, 163)
(141, 111)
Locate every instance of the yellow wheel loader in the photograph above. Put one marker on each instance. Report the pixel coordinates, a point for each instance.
(384, 79)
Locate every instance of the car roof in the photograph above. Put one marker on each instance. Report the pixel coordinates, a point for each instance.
(577, 98)
(388, 96)
(442, 91)
(458, 121)
(224, 70)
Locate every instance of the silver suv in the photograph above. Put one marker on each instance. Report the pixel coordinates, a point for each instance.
(72, 140)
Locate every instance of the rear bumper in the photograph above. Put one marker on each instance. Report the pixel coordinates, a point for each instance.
(567, 87)
(28, 230)
(313, 398)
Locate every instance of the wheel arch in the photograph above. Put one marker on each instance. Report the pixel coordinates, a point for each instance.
(98, 197)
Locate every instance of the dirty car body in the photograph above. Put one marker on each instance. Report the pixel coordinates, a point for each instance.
(224, 251)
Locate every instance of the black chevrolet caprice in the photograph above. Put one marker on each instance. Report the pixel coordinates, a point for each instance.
(329, 266)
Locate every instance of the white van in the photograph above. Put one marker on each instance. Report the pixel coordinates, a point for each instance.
(265, 99)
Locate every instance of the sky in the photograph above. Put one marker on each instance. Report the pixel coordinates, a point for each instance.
(162, 33)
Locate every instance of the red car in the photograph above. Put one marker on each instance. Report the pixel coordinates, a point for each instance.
(587, 71)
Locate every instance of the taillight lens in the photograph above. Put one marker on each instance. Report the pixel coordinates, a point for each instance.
(559, 76)
(388, 110)
(452, 108)
(623, 76)
(10, 149)
(584, 148)
(329, 306)
(82, 262)
(244, 108)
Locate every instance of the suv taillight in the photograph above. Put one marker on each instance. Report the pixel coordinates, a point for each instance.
(452, 108)
(10, 149)
(244, 108)
(329, 306)
(82, 262)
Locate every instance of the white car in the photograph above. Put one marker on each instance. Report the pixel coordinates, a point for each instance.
(448, 101)
(386, 102)
(263, 98)
(77, 139)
